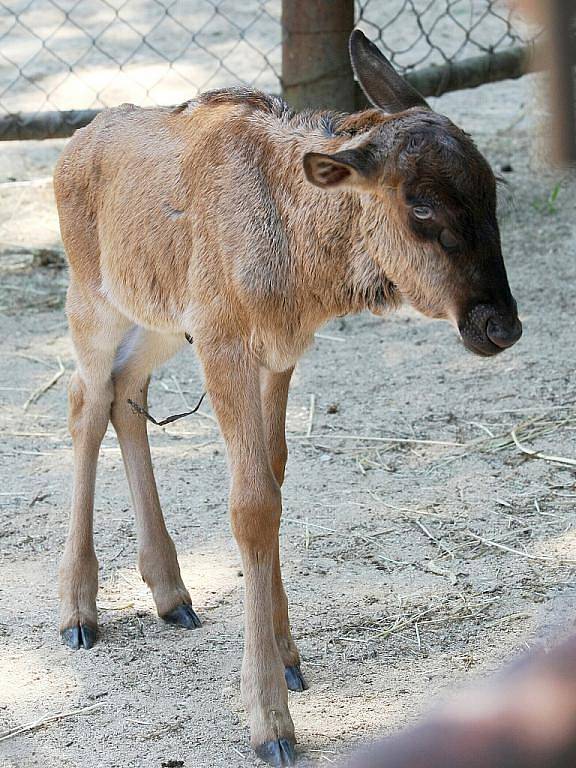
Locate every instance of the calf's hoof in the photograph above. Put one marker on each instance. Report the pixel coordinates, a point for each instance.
(294, 679)
(184, 616)
(278, 753)
(79, 636)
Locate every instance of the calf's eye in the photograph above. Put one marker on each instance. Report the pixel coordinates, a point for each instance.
(422, 211)
(447, 239)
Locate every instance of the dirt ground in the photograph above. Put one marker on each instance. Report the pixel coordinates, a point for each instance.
(411, 566)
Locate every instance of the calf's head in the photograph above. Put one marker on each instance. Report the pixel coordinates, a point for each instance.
(429, 206)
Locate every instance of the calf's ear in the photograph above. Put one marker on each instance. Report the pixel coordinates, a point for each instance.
(383, 86)
(349, 168)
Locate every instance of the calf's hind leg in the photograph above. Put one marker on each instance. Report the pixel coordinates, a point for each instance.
(90, 395)
(141, 352)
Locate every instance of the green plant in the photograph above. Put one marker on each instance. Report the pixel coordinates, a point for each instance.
(547, 205)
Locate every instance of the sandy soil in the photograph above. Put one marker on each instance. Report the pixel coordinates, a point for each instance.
(409, 566)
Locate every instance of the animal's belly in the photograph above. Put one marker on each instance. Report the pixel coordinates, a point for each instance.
(148, 296)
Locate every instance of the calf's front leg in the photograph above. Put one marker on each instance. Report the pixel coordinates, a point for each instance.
(232, 381)
(274, 388)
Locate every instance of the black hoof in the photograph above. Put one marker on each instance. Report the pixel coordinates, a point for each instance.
(277, 753)
(294, 679)
(185, 616)
(80, 636)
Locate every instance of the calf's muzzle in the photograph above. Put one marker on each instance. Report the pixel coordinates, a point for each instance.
(487, 330)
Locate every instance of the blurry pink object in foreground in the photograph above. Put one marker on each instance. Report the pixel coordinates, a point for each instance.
(523, 718)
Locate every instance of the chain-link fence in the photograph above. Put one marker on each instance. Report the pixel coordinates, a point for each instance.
(61, 60)
(418, 33)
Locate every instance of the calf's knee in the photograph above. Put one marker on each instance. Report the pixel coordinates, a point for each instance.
(88, 408)
(255, 510)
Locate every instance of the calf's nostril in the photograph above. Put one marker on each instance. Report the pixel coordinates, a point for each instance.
(503, 334)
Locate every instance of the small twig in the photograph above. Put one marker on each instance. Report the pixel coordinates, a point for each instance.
(26, 453)
(438, 571)
(40, 496)
(418, 636)
(368, 539)
(37, 394)
(391, 560)
(308, 524)
(540, 512)
(505, 548)
(311, 415)
(181, 392)
(174, 726)
(132, 584)
(40, 182)
(122, 548)
(404, 622)
(528, 430)
(508, 617)
(32, 359)
(325, 337)
(33, 434)
(138, 722)
(329, 751)
(45, 720)
(391, 440)
(537, 455)
(433, 538)
(138, 409)
(179, 388)
(483, 427)
(406, 510)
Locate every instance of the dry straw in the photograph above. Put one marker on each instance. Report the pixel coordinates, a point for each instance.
(526, 431)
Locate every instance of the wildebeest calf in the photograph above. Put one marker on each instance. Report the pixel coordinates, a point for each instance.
(233, 219)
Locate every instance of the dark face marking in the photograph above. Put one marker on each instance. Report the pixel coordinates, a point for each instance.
(447, 201)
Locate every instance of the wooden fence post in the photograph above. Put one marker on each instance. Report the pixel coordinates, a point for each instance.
(316, 69)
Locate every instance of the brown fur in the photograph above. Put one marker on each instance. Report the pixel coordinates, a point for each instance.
(201, 219)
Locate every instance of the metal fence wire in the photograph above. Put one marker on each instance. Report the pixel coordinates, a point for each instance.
(60, 57)
(414, 33)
